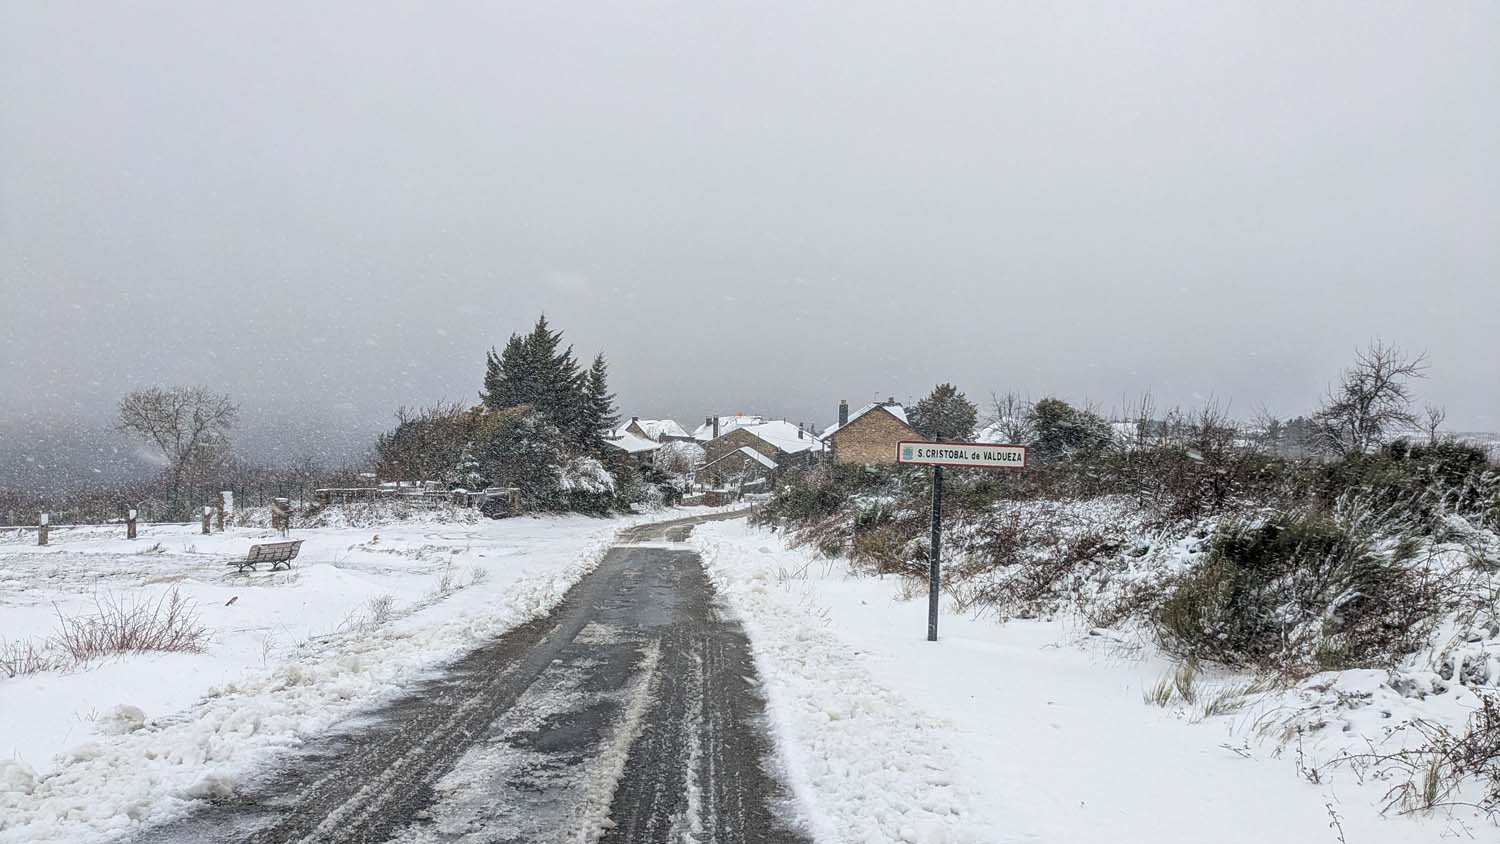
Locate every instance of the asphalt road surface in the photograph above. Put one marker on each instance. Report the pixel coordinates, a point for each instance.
(631, 714)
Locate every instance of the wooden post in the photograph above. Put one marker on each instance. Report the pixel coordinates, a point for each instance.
(130, 524)
(41, 529)
(281, 515)
(206, 528)
(219, 514)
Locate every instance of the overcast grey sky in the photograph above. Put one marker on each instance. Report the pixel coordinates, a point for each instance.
(329, 209)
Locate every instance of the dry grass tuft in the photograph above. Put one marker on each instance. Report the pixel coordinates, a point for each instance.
(26, 656)
(120, 626)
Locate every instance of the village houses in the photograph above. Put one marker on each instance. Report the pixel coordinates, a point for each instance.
(753, 449)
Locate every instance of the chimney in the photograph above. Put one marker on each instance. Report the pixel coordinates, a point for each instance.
(799, 431)
(890, 401)
(635, 419)
(843, 412)
(715, 420)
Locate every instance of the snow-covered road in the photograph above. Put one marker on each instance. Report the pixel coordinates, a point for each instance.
(628, 715)
(98, 750)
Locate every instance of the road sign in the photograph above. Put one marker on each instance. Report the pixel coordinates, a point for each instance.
(961, 455)
(968, 455)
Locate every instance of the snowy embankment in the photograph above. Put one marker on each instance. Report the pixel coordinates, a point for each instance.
(100, 748)
(1033, 730)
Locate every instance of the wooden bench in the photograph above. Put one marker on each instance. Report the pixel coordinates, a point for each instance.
(278, 554)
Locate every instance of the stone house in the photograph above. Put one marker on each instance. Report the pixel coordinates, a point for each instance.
(741, 467)
(626, 447)
(782, 442)
(870, 434)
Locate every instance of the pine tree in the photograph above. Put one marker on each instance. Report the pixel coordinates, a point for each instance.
(493, 380)
(945, 412)
(599, 406)
(508, 380)
(533, 370)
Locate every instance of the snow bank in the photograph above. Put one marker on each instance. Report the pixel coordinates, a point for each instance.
(864, 763)
(1035, 730)
(162, 731)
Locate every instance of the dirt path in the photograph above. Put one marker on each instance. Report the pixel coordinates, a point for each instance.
(628, 715)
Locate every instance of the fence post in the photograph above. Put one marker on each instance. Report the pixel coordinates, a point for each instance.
(130, 524)
(41, 529)
(281, 515)
(206, 511)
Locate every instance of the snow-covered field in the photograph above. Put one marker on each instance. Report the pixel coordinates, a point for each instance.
(94, 749)
(1037, 730)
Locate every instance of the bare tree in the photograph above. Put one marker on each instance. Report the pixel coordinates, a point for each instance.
(1372, 399)
(188, 425)
(1011, 417)
(1268, 429)
(1432, 422)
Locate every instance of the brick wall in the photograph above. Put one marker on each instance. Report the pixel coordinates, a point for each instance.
(871, 438)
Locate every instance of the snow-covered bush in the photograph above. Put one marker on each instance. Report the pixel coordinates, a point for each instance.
(358, 514)
(1029, 558)
(585, 485)
(1301, 591)
(1423, 484)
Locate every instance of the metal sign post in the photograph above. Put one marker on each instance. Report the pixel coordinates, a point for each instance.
(937, 455)
(935, 565)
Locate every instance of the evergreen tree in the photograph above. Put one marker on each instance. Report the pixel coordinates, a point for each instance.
(507, 377)
(536, 371)
(599, 406)
(1064, 432)
(945, 412)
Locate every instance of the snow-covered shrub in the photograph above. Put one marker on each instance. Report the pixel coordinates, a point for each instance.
(1424, 483)
(1026, 558)
(1439, 764)
(1299, 591)
(358, 514)
(585, 485)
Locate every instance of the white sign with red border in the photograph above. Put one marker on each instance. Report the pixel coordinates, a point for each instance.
(969, 455)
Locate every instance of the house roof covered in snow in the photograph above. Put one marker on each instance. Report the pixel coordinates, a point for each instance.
(705, 432)
(757, 457)
(658, 428)
(893, 409)
(787, 437)
(631, 443)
